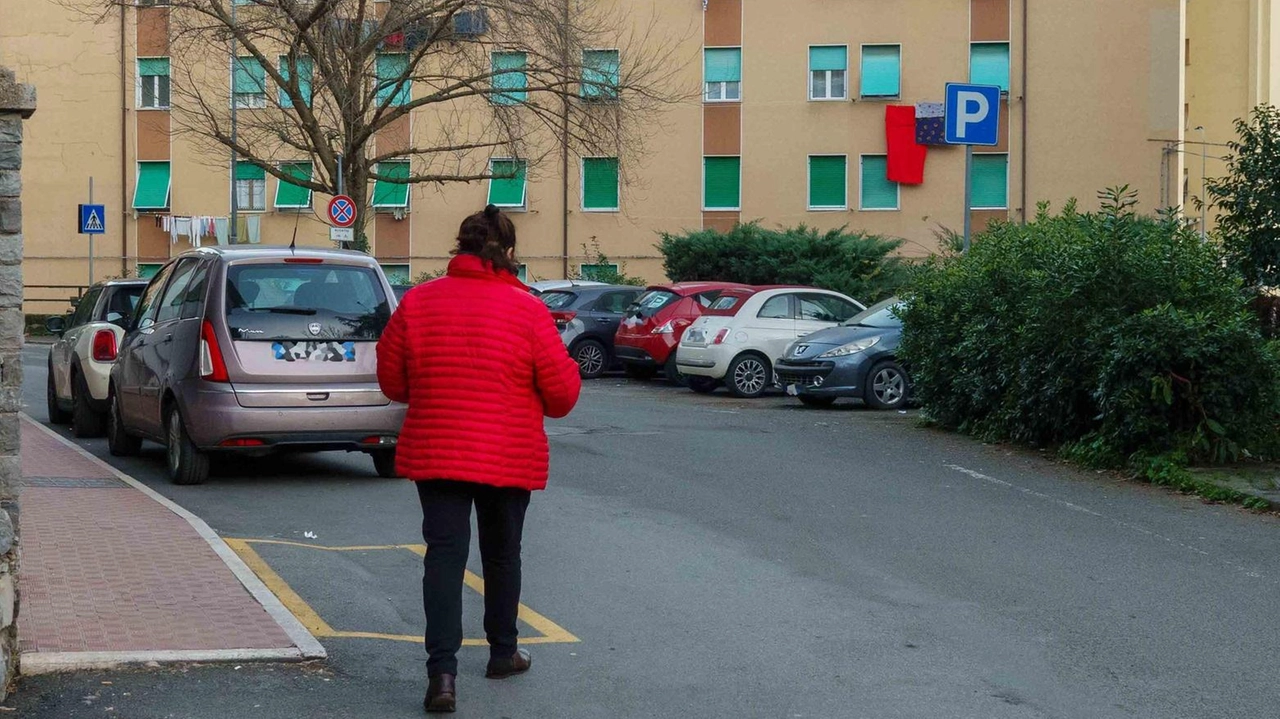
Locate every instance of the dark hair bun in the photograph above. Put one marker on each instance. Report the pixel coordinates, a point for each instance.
(491, 212)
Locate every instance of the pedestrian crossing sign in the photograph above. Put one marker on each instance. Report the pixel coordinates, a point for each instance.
(93, 219)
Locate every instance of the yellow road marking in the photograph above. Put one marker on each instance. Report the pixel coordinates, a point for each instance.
(551, 633)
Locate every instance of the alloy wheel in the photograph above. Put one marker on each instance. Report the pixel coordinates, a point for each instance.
(889, 386)
(749, 376)
(590, 359)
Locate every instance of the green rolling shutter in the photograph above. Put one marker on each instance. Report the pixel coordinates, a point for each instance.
(722, 64)
(881, 71)
(828, 57)
(600, 74)
(508, 69)
(249, 171)
(507, 191)
(306, 69)
(397, 274)
(600, 183)
(827, 179)
(878, 193)
(152, 191)
(989, 64)
(391, 194)
(289, 195)
(152, 66)
(389, 68)
(990, 182)
(722, 183)
(147, 270)
(250, 78)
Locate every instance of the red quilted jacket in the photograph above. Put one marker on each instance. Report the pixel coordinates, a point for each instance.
(479, 362)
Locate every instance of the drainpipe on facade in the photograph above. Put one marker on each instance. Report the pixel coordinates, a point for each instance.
(124, 146)
(564, 147)
(1024, 110)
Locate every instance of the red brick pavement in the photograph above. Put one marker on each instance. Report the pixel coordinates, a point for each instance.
(110, 569)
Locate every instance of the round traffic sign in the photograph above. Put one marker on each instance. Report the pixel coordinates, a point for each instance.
(342, 211)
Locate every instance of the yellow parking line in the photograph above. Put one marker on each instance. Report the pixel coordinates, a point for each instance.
(281, 589)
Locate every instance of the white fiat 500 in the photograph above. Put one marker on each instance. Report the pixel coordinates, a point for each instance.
(737, 340)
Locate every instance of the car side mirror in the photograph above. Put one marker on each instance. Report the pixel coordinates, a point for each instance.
(56, 325)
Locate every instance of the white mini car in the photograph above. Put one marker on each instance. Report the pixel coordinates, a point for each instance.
(81, 357)
(737, 340)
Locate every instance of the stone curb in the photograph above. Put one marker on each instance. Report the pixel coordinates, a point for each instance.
(34, 663)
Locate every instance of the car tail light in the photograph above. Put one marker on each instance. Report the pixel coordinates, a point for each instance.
(720, 336)
(376, 439)
(304, 260)
(212, 367)
(246, 442)
(563, 318)
(104, 346)
(671, 327)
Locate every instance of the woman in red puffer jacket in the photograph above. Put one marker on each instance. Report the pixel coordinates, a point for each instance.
(480, 363)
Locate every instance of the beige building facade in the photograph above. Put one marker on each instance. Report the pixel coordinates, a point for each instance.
(790, 128)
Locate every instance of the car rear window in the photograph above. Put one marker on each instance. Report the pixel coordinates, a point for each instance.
(288, 301)
(557, 300)
(652, 302)
(726, 305)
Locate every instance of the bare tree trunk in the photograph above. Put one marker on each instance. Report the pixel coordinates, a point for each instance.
(357, 186)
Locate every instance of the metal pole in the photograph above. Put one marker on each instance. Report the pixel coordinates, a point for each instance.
(342, 185)
(235, 66)
(968, 194)
(1204, 198)
(91, 235)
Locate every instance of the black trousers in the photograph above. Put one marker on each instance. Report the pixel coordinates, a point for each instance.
(446, 529)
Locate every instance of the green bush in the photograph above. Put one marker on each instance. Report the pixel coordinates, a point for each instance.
(860, 265)
(1112, 335)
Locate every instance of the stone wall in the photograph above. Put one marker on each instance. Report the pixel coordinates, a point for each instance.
(17, 102)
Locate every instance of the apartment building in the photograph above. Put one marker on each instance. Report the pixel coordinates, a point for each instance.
(797, 113)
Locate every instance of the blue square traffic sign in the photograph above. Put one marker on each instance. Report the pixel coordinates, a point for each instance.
(93, 219)
(973, 114)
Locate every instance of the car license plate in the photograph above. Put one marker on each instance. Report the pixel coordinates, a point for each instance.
(695, 335)
(793, 390)
(314, 351)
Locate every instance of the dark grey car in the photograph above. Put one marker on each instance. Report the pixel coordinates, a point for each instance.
(857, 359)
(588, 318)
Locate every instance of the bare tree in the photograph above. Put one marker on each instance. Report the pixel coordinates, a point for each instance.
(442, 84)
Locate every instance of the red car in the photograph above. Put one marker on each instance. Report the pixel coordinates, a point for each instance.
(651, 330)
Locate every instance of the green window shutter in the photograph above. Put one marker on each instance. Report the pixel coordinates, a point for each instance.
(828, 57)
(289, 195)
(249, 171)
(152, 66)
(600, 183)
(507, 191)
(878, 193)
(392, 194)
(722, 182)
(722, 64)
(152, 191)
(397, 274)
(508, 69)
(250, 78)
(598, 273)
(600, 74)
(989, 64)
(389, 67)
(990, 182)
(881, 71)
(306, 68)
(827, 179)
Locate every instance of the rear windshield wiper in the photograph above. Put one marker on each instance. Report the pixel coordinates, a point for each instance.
(283, 310)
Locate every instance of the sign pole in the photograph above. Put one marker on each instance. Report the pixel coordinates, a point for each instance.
(91, 235)
(968, 194)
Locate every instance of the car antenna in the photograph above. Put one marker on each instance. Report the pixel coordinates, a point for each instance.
(293, 244)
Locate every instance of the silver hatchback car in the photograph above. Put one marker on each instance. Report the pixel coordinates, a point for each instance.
(253, 350)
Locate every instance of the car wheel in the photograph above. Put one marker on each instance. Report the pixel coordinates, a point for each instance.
(672, 371)
(749, 376)
(84, 421)
(592, 358)
(700, 384)
(811, 401)
(119, 441)
(887, 386)
(635, 371)
(57, 415)
(187, 464)
(384, 462)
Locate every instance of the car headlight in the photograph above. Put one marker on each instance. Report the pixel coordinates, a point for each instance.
(852, 348)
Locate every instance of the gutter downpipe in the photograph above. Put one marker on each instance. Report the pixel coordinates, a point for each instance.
(124, 146)
(564, 149)
(1024, 111)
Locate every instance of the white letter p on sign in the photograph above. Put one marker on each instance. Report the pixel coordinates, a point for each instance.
(973, 108)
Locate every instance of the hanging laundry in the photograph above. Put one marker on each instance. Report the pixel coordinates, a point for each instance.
(931, 123)
(906, 157)
(181, 228)
(222, 230)
(255, 229)
(197, 231)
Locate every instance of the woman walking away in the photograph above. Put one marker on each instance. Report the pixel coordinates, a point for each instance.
(479, 362)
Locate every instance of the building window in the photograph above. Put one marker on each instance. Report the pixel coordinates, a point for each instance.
(600, 75)
(251, 187)
(878, 193)
(722, 72)
(828, 72)
(598, 273)
(721, 183)
(388, 194)
(249, 83)
(600, 184)
(989, 64)
(507, 187)
(828, 182)
(305, 69)
(152, 189)
(990, 178)
(290, 196)
(508, 75)
(147, 270)
(394, 87)
(397, 274)
(881, 70)
(153, 83)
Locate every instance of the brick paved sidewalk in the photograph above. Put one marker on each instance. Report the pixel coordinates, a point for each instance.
(106, 568)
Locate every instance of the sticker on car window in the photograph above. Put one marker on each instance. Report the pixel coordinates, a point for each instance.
(314, 351)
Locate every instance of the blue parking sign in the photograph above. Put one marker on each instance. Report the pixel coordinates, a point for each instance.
(973, 114)
(93, 219)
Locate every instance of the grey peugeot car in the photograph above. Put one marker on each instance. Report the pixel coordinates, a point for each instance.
(857, 359)
(252, 350)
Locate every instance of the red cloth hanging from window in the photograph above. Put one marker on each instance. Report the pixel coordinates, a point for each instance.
(906, 156)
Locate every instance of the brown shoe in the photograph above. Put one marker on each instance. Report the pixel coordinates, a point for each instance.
(442, 695)
(517, 663)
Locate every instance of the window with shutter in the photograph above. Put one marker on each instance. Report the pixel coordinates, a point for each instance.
(390, 68)
(151, 192)
(828, 72)
(989, 64)
(881, 71)
(153, 83)
(507, 187)
(249, 88)
(827, 182)
(722, 183)
(387, 193)
(250, 186)
(878, 193)
(289, 195)
(600, 184)
(509, 76)
(600, 75)
(305, 69)
(990, 178)
(722, 73)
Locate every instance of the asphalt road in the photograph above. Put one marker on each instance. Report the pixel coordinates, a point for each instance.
(726, 558)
